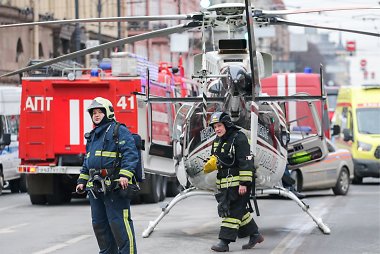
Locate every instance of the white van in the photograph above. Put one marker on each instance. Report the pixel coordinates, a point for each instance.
(10, 98)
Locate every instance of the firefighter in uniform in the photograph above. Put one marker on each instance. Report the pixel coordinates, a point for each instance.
(230, 155)
(102, 177)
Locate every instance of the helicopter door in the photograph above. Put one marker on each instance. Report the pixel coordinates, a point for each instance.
(305, 148)
(178, 130)
(161, 123)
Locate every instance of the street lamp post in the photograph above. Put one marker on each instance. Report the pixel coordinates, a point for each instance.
(99, 8)
(77, 30)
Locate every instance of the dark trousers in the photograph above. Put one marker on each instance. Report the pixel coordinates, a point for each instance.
(240, 222)
(112, 224)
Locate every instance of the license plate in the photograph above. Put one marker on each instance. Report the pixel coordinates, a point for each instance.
(52, 170)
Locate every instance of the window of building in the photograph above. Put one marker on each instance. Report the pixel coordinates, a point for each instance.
(40, 50)
(19, 49)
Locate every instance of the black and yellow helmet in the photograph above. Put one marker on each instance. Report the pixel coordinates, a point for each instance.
(221, 117)
(103, 104)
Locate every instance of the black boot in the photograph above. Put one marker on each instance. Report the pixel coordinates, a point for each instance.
(253, 240)
(221, 246)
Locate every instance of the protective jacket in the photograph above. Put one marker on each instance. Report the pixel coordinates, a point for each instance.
(111, 215)
(101, 152)
(235, 168)
(233, 153)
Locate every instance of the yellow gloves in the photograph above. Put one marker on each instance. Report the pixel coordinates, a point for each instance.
(210, 165)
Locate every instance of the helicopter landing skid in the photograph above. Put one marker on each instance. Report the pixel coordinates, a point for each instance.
(306, 208)
(165, 210)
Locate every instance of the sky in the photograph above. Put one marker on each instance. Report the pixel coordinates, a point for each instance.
(368, 48)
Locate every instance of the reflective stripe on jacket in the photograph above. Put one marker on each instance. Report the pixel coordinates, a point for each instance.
(101, 151)
(234, 168)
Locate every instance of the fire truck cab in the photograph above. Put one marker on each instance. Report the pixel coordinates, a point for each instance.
(54, 119)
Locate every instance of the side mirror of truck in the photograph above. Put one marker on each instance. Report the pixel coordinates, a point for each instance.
(336, 130)
(6, 139)
(347, 136)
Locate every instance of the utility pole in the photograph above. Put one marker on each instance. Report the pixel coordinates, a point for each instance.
(100, 26)
(119, 25)
(77, 30)
(179, 10)
(35, 5)
(148, 40)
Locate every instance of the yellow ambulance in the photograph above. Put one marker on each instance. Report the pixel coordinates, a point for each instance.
(356, 127)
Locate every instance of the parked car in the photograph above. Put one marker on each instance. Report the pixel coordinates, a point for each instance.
(335, 171)
(9, 126)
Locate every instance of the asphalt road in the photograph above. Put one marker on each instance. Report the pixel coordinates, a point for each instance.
(192, 226)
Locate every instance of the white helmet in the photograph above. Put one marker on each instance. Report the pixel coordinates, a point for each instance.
(102, 103)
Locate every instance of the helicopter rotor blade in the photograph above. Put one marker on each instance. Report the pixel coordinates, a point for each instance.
(108, 19)
(252, 49)
(273, 13)
(280, 21)
(157, 33)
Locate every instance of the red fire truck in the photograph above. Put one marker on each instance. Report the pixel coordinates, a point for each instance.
(185, 87)
(298, 113)
(54, 119)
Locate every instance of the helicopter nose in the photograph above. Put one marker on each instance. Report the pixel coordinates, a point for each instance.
(234, 114)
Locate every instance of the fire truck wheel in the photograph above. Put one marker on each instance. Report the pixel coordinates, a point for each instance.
(14, 185)
(136, 200)
(23, 185)
(174, 188)
(67, 197)
(38, 199)
(55, 198)
(155, 182)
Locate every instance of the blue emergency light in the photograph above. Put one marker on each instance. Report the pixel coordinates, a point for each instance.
(304, 129)
(94, 72)
(307, 70)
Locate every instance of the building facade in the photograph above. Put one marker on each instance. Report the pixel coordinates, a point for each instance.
(17, 44)
(64, 36)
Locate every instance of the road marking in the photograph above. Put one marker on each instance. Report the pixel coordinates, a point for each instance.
(12, 228)
(9, 207)
(62, 245)
(295, 238)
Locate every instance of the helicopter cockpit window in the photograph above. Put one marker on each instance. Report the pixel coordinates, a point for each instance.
(301, 119)
(215, 88)
(195, 128)
(197, 134)
(240, 79)
(266, 128)
(180, 121)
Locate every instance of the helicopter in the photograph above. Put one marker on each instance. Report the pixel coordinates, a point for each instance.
(230, 80)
